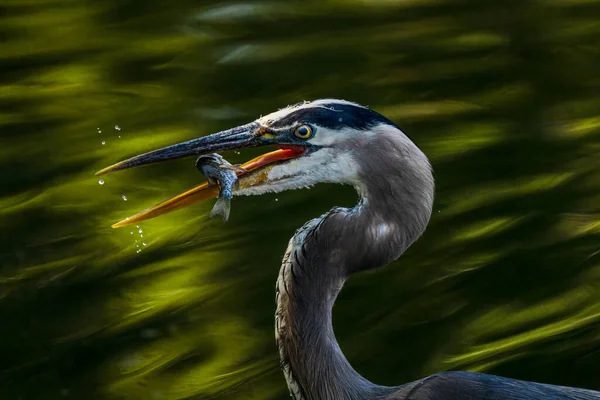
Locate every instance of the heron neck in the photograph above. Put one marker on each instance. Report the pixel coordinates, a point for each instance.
(308, 284)
(392, 213)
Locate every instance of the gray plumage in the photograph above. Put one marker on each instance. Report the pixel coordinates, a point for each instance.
(396, 188)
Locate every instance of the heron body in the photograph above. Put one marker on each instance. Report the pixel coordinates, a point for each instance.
(335, 141)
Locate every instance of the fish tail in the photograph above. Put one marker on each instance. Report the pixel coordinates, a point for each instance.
(222, 207)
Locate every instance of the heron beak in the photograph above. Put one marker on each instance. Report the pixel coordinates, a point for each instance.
(242, 136)
(251, 173)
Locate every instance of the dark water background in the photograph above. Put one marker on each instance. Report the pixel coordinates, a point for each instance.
(503, 96)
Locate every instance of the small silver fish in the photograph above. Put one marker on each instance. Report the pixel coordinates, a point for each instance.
(219, 171)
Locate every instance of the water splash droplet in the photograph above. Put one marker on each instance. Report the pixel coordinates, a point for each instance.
(119, 136)
(276, 199)
(140, 231)
(103, 142)
(124, 197)
(131, 233)
(117, 127)
(143, 243)
(101, 181)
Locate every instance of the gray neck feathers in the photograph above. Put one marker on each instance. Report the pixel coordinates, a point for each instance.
(396, 199)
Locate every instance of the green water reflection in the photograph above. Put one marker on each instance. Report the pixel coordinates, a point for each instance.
(502, 96)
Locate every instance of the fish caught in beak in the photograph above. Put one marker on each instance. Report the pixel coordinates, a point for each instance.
(251, 173)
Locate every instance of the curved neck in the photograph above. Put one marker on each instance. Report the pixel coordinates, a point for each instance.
(393, 211)
(312, 361)
(309, 282)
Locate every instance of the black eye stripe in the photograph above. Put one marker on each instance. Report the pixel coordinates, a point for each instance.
(334, 116)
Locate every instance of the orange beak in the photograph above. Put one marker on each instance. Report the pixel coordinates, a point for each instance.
(254, 172)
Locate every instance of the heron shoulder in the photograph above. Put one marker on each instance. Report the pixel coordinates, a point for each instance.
(459, 385)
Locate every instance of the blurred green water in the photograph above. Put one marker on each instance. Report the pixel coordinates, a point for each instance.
(502, 96)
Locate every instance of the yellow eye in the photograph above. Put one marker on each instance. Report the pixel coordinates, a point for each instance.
(303, 132)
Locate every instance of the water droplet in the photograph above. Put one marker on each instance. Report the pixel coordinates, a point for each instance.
(276, 199)
(131, 233)
(124, 197)
(119, 136)
(117, 127)
(141, 235)
(140, 231)
(143, 243)
(101, 181)
(341, 119)
(137, 251)
(103, 142)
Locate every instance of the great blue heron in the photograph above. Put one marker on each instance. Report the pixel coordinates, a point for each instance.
(337, 141)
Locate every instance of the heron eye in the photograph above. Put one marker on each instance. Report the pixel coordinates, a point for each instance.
(303, 132)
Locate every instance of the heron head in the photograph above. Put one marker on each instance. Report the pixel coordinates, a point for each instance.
(323, 141)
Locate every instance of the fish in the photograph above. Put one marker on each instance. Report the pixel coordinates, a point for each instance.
(219, 171)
